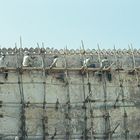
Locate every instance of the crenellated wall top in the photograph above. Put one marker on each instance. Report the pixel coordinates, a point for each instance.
(70, 51)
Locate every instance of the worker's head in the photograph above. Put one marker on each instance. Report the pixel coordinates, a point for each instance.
(26, 53)
(105, 57)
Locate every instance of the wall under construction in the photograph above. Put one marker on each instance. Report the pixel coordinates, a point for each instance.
(36, 104)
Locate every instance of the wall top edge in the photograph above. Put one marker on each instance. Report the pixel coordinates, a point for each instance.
(70, 51)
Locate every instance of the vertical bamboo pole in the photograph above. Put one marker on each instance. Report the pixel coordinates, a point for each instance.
(85, 136)
(126, 132)
(68, 131)
(23, 117)
(44, 118)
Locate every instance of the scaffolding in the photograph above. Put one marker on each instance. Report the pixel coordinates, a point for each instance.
(92, 108)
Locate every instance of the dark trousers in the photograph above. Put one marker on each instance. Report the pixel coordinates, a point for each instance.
(107, 73)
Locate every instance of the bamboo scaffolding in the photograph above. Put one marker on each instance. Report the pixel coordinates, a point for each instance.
(106, 115)
(125, 121)
(84, 133)
(62, 69)
(23, 117)
(75, 136)
(68, 101)
(44, 118)
(91, 104)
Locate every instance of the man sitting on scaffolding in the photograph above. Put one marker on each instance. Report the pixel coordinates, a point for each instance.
(105, 64)
(57, 63)
(87, 63)
(27, 60)
(54, 63)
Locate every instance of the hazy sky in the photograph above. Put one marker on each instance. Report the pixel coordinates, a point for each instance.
(58, 23)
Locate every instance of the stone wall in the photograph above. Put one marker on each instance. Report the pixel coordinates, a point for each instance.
(90, 107)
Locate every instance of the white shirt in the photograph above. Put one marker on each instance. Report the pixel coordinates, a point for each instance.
(104, 63)
(54, 64)
(16, 138)
(26, 61)
(2, 63)
(86, 62)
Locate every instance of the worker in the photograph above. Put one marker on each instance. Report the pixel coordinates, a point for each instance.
(2, 62)
(104, 63)
(27, 60)
(86, 62)
(60, 75)
(3, 65)
(54, 63)
(16, 138)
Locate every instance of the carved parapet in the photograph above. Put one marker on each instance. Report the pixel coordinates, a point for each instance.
(125, 58)
(70, 51)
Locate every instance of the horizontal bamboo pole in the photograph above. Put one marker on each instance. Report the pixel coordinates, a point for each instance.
(54, 69)
(7, 69)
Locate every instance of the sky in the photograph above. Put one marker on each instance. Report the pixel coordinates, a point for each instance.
(60, 23)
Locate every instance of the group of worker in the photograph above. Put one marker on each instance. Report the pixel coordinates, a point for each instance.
(28, 62)
(103, 64)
